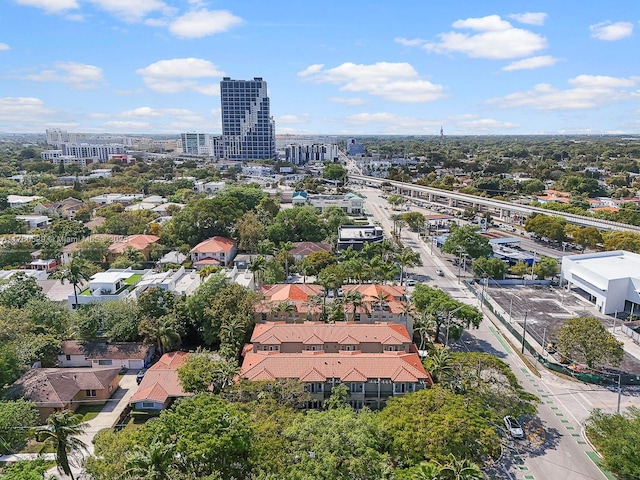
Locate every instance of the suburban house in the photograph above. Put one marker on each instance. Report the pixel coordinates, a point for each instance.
(105, 354)
(217, 250)
(374, 361)
(35, 221)
(17, 200)
(114, 284)
(66, 208)
(121, 198)
(56, 389)
(303, 249)
(178, 282)
(69, 250)
(160, 385)
(289, 302)
(141, 243)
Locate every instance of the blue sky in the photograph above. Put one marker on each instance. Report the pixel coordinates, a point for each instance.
(332, 67)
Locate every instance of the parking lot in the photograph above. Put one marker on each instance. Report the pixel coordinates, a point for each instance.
(547, 308)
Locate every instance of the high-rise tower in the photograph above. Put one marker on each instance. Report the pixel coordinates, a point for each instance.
(248, 131)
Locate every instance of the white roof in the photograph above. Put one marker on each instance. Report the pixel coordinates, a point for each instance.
(608, 265)
(110, 277)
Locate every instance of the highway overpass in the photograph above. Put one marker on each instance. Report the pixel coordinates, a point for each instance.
(501, 208)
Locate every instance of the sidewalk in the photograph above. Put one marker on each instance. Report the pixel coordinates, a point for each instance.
(630, 347)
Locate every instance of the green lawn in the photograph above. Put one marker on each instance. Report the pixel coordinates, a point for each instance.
(89, 412)
(86, 291)
(133, 279)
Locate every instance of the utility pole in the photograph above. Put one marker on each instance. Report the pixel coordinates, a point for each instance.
(619, 390)
(524, 330)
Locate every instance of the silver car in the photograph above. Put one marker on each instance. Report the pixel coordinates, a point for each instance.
(513, 427)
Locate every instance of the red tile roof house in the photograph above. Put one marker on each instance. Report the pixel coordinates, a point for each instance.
(160, 385)
(141, 243)
(103, 354)
(288, 302)
(55, 389)
(382, 303)
(375, 361)
(303, 249)
(214, 251)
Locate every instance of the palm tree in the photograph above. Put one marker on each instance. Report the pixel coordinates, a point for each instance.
(314, 301)
(355, 299)
(283, 307)
(161, 331)
(151, 462)
(258, 266)
(285, 248)
(381, 300)
(440, 364)
(224, 374)
(462, 469)
(75, 274)
(407, 258)
(61, 430)
(232, 331)
(423, 327)
(429, 471)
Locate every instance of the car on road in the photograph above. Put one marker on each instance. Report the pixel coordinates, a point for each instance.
(439, 272)
(140, 375)
(513, 427)
(410, 283)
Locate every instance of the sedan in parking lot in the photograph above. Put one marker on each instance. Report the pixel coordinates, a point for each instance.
(140, 375)
(513, 427)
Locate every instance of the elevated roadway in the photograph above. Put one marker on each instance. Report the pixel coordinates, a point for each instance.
(500, 207)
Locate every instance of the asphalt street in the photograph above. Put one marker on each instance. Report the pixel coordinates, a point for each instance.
(555, 447)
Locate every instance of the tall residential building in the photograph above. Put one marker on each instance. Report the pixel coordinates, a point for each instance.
(248, 130)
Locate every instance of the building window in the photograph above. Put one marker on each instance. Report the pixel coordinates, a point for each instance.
(263, 317)
(90, 393)
(68, 358)
(349, 348)
(148, 404)
(391, 348)
(355, 387)
(105, 362)
(313, 348)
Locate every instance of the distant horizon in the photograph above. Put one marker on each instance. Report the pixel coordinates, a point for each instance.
(533, 68)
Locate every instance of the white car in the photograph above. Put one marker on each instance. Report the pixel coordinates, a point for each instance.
(513, 427)
(410, 283)
(439, 272)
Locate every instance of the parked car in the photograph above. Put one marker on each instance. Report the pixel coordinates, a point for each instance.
(410, 282)
(439, 272)
(140, 375)
(513, 427)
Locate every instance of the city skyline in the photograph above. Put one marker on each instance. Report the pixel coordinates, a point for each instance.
(154, 67)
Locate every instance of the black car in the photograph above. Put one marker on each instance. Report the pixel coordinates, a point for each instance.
(140, 375)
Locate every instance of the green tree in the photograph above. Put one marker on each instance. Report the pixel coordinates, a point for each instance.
(584, 339)
(163, 331)
(94, 251)
(545, 267)
(587, 237)
(16, 419)
(316, 261)
(467, 240)
(9, 364)
(415, 221)
(19, 290)
(456, 469)
(61, 431)
(407, 258)
(617, 438)
(156, 302)
(433, 423)
(489, 267)
(629, 241)
(520, 269)
(26, 470)
(338, 443)
(334, 171)
(250, 232)
(152, 462)
(439, 364)
(553, 228)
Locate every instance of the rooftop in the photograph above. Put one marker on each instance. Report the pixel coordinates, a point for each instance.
(608, 265)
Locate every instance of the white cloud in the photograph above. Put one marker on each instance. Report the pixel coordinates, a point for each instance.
(530, 18)
(201, 23)
(51, 6)
(179, 74)
(78, 76)
(148, 112)
(350, 102)
(4, 46)
(588, 91)
(531, 63)
(133, 10)
(119, 126)
(416, 42)
(495, 39)
(311, 70)
(292, 119)
(21, 108)
(611, 31)
(397, 82)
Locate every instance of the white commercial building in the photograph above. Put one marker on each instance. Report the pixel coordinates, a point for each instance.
(611, 280)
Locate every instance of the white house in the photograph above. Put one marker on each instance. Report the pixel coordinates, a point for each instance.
(178, 282)
(214, 251)
(104, 354)
(114, 284)
(34, 221)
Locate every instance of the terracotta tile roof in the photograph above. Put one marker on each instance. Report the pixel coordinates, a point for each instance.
(330, 332)
(370, 292)
(56, 387)
(161, 380)
(290, 291)
(397, 366)
(302, 249)
(214, 245)
(106, 351)
(137, 242)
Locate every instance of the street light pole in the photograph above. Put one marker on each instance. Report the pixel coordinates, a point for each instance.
(524, 330)
(619, 390)
(446, 341)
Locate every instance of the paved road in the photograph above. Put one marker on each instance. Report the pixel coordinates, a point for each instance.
(556, 448)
